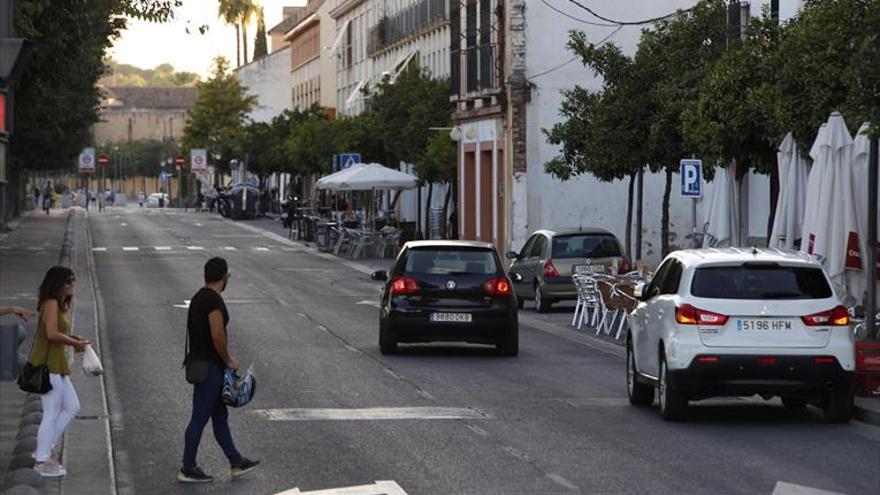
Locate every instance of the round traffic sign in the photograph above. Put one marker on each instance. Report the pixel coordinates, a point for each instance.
(198, 160)
(180, 160)
(86, 159)
(103, 159)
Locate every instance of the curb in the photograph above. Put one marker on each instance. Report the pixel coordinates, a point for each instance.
(23, 477)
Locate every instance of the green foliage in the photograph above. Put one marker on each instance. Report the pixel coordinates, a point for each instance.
(162, 75)
(261, 47)
(828, 60)
(404, 109)
(217, 118)
(143, 156)
(438, 162)
(311, 147)
(736, 115)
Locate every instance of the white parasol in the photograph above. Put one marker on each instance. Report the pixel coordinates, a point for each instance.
(793, 171)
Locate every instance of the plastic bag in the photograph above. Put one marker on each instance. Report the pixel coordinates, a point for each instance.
(91, 363)
(238, 389)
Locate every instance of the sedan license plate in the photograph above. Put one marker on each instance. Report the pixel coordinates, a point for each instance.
(589, 268)
(451, 317)
(762, 325)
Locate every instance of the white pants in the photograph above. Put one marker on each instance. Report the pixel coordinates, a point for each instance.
(60, 406)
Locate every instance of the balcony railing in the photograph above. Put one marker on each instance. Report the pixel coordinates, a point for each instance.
(405, 23)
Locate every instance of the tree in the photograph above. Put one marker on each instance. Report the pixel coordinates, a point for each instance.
(677, 54)
(218, 116)
(247, 12)
(160, 76)
(405, 109)
(605, 133)
(231, 11)
(261, 48)
(439, 161)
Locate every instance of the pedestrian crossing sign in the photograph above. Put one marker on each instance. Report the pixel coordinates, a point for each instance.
(348, 159)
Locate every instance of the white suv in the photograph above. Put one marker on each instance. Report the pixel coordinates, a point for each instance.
(740, 322)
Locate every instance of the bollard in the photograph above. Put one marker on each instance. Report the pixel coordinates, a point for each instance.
(11, 362)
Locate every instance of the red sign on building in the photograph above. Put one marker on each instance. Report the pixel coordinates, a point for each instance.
(3, 97)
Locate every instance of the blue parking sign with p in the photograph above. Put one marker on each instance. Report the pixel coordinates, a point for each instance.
(691, 172)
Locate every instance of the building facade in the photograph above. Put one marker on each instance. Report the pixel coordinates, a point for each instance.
(277, 32)
(378, 39)
(269, 79)
(132, 114)
(313, 69)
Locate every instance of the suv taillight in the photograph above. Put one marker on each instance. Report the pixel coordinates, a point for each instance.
(402, 285)
(550, 271)
(689, 315)
(497, 287)
(837, 316)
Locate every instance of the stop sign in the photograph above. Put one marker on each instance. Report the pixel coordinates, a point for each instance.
(180, 160)
(103, 159)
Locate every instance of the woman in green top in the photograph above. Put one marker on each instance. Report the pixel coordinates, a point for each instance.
(60, 404)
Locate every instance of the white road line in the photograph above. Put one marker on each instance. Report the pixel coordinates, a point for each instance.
(185, 304)
(195, 248)
(783, 488)
(479, 431)
(377, 488)
(99, 249)
(369, 303)
(130, 248)
(371, 414)
(123, 224)
(261, 248)
(564, 482)
(163, 248)
(230, 248)
(197, 224)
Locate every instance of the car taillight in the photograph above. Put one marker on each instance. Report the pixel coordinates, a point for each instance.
(837, 316)
(550, 271)
(824, 360)
(689, 315)
(624, 265)
(404, 285)
(497, 287)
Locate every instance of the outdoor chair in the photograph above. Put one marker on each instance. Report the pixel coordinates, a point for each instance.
(587, 300)
(360, 243)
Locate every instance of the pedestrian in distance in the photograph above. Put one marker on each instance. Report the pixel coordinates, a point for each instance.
(141, 198)
(60, 404)
(206, 359)
(20, 312)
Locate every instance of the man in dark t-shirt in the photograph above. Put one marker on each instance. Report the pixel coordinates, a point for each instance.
(206, 330)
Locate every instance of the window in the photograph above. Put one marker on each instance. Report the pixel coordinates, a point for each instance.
(585, 246)
(450, 262)
(486, 62)
(657, 282)
(672, 279)
(760, 281)
(527, 248)
(539, 248)
(471, 45)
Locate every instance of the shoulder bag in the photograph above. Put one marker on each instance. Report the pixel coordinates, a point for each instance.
(196, 369)
(32, 378)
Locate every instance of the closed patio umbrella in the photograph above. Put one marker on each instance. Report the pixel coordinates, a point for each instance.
(722, 220)
(834, 237)
(793, 171)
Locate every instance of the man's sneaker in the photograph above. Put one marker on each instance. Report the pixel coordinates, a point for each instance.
(243, 467)
(193, 475)
(50, 469)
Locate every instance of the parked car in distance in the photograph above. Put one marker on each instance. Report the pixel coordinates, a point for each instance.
(448, 291)
(153, 200)
(542, 270)
(740, 322)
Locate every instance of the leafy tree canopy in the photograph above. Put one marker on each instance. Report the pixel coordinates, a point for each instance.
(163, 75)
(217, 118)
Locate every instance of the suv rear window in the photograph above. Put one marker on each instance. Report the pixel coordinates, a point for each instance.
(585, 246)
(450, 262)
(760, 281)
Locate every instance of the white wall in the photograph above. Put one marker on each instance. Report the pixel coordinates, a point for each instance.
(584, 200)
(269, 80)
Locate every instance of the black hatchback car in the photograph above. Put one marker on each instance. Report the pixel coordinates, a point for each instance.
(448, 291)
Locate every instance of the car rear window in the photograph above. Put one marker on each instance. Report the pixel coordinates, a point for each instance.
(450, 262)
(585, 246)
(757, 281)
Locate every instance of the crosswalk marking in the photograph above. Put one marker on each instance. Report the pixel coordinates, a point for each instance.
(371, 414)
(195, 248)
(128, 248)
(230, 248)
(99, 249)
(163, 248)
(261, 248)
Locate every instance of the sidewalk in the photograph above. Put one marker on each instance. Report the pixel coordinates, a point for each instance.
(33, 245)
(866, 410)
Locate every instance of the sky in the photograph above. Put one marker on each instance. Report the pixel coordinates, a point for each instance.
(146, 44)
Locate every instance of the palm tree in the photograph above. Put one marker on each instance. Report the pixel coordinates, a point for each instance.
(230, 12)
(248, 9)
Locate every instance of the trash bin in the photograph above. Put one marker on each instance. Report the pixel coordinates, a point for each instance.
(868, 369)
